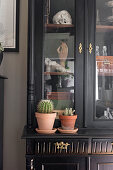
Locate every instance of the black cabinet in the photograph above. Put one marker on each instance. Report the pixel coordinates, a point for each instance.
(1, 119)
(87, 149)
(82, 78)
(98, 162)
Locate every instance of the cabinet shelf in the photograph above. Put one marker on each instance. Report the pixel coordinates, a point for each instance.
(105, 74)
(57, 73)
(50, 28)
(59, 95)
(105, 65)
(70, 59)
(59, 26)
(104, 28)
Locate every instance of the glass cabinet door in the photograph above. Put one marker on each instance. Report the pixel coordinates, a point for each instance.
(104, 59)
(58, 53)
(99, 64)
(59, 49)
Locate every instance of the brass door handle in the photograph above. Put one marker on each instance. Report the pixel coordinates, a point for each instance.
(90, 48)
(80, 48)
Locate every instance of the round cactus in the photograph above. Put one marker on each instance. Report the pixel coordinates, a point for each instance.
(45, 106)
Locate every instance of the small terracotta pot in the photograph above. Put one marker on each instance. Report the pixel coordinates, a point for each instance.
(45, 121)
(68, 122)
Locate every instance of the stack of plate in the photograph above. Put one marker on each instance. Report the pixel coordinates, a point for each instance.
(110, 4)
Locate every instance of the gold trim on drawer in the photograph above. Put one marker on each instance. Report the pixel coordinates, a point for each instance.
(61, 146)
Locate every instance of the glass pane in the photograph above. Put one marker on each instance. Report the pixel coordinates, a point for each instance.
(104, 59)
(58, 53)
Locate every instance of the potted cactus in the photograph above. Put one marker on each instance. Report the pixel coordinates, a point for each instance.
(68, 119)
(44, 115)
(1, 53)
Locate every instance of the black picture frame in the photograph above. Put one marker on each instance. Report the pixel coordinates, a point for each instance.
(15, 47)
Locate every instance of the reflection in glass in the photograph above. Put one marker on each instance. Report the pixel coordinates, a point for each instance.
(98, 18)
(104, 61)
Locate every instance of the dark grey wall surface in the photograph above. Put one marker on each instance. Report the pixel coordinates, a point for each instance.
(14, 66)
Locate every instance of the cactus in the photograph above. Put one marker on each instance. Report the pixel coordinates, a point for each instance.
(69, 112)
(45, 106)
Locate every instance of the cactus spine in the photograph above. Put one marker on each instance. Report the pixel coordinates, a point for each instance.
(45, 106)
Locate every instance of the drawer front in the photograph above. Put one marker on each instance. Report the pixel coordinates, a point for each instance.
(102, 146)
(61, 163)
(76, 146)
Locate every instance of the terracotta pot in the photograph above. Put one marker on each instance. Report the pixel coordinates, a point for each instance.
(45, 121)
(68, 122)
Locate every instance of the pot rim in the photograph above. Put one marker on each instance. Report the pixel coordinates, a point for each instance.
(68, 117)
(37, 114)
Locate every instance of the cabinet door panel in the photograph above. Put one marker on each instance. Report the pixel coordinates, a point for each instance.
(57, 54)
(57, 166)
(102, 163)
(63, 163)
(106, 166)
(99, 65)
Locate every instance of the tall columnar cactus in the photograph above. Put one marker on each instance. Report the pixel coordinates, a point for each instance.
(45, 106)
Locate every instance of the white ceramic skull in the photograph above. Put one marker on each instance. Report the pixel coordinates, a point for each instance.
(62, 17)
